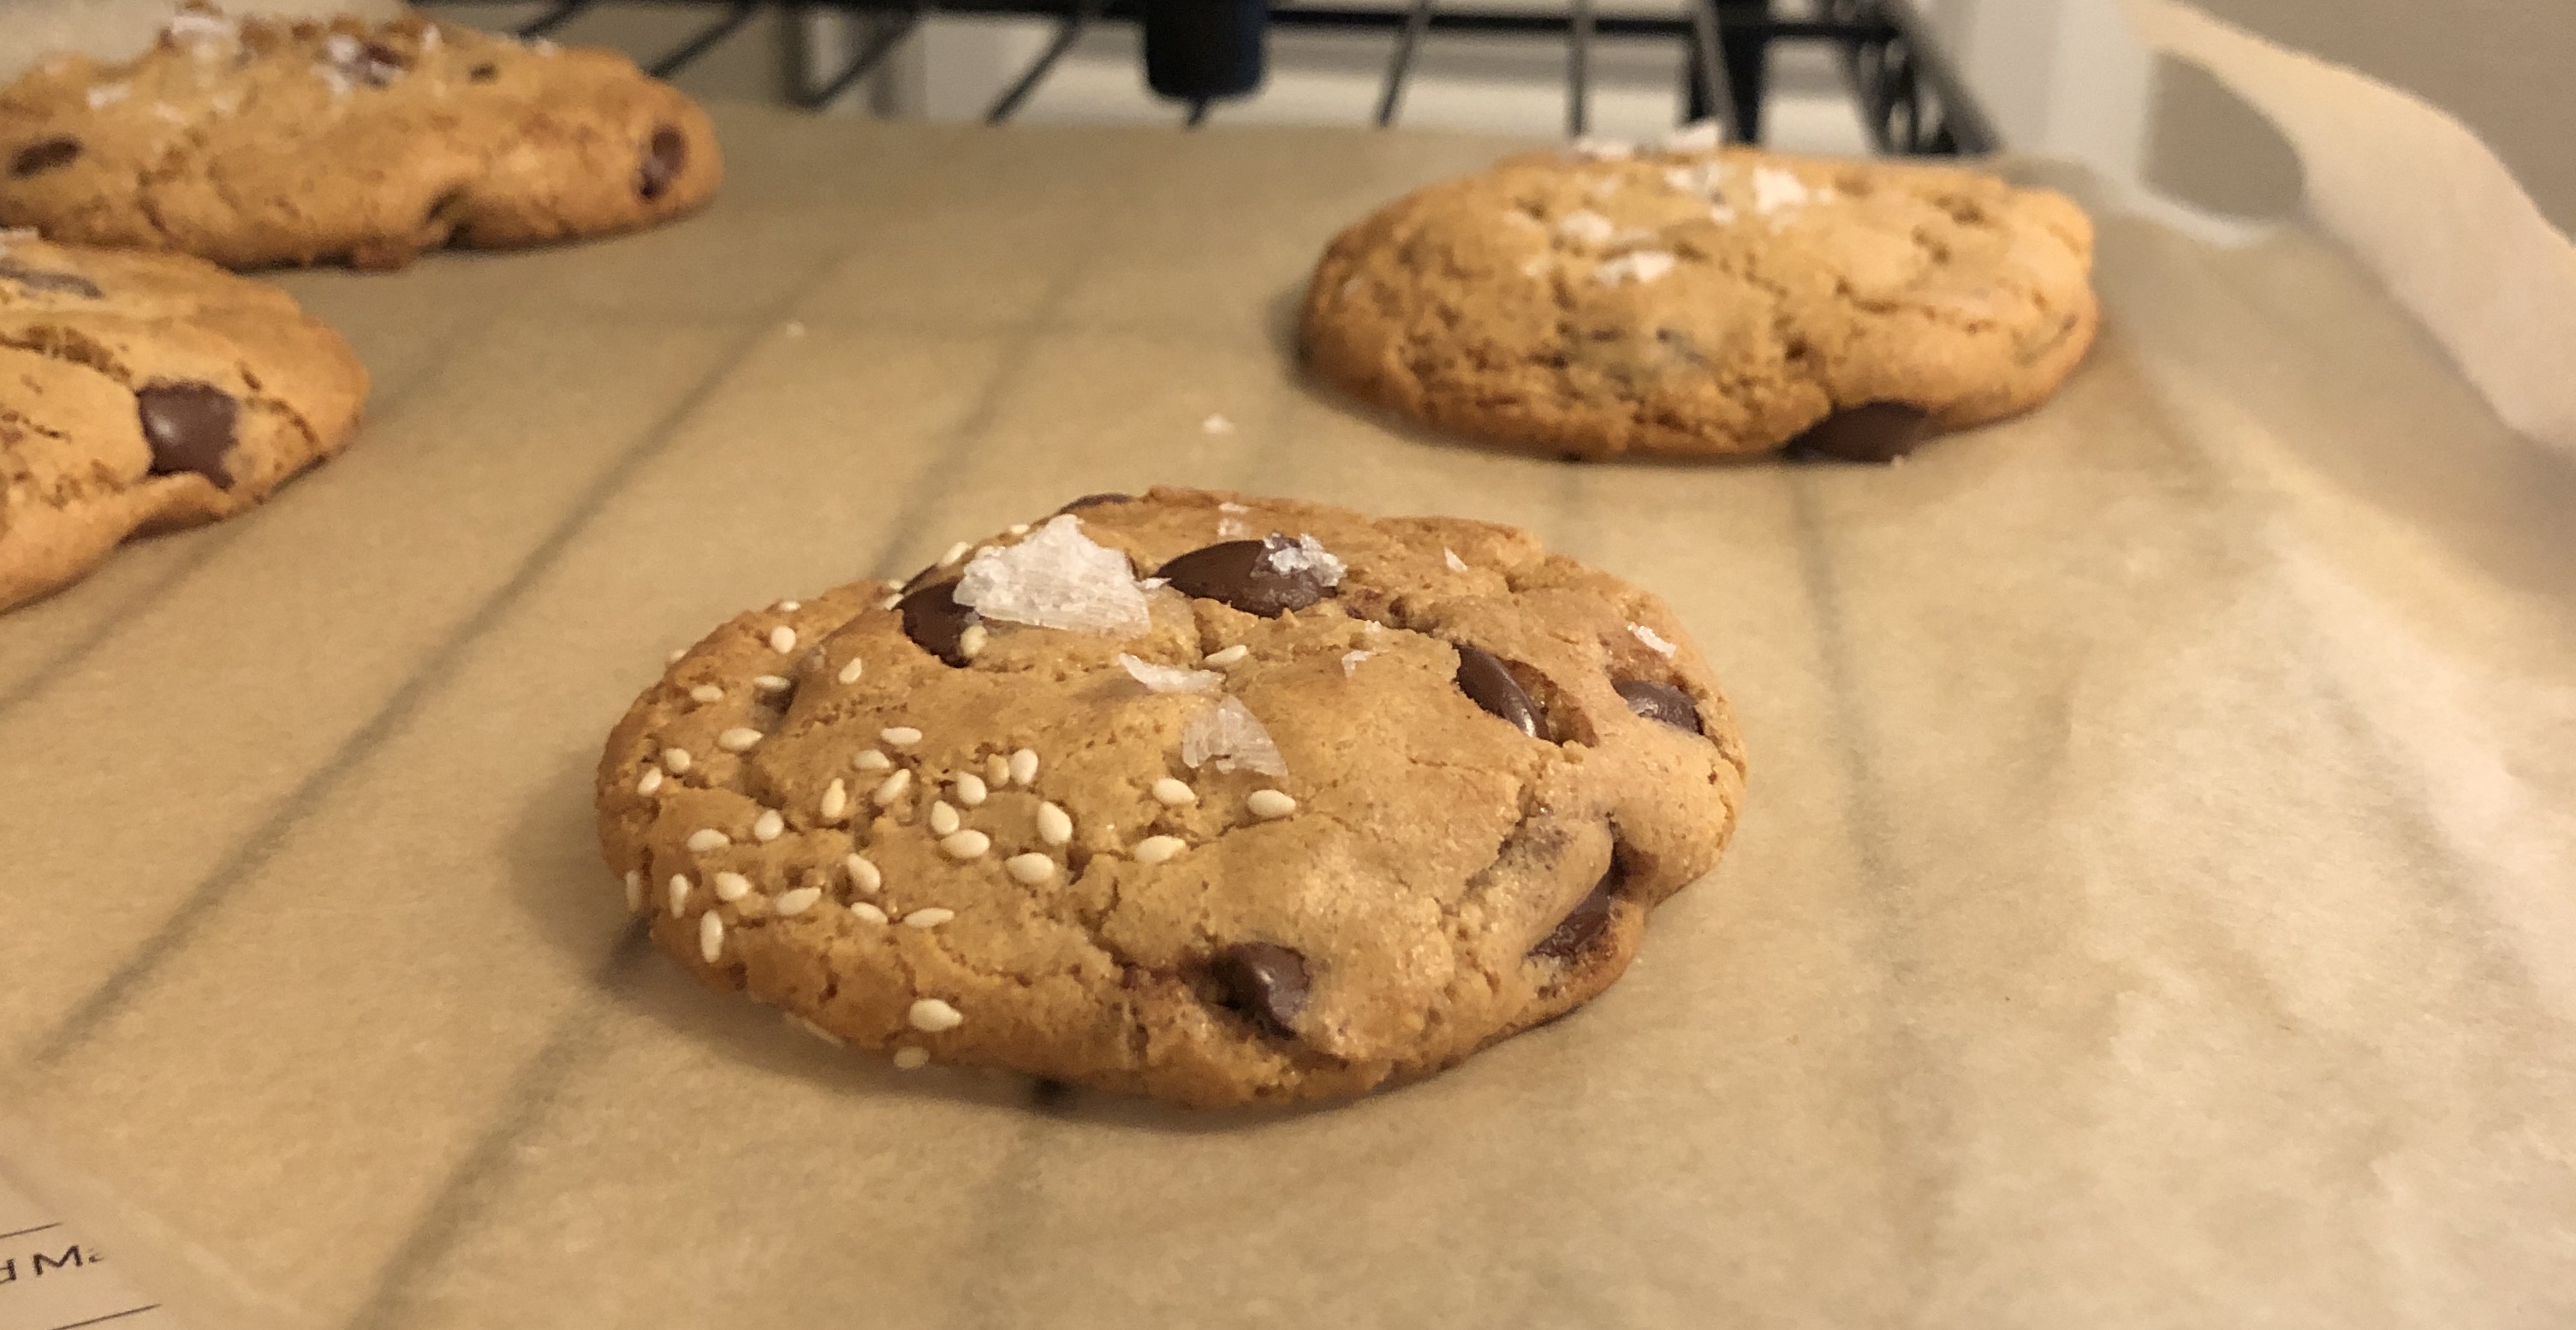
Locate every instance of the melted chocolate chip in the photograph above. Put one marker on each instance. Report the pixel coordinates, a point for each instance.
(1585, 922)
(1095, 500)
(190, 427)
(45, 155)
(484, 73)
(1870, 432)
(56, 283)
(1485, 680)
(1660, 701)
(1265, 981)
(1240, 573)
(935, 622)
(663, 162)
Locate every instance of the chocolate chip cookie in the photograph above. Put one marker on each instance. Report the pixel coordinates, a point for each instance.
(1211, 798)
(253, 143)
(146, 392)
(1692, 302)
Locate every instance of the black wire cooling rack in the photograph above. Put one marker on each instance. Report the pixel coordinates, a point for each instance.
(1910, 100)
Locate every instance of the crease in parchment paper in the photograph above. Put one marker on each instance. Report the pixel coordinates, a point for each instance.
(2431, 209)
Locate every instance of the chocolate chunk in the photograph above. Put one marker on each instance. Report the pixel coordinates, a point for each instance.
(45, 155)
(936, 623)
(1095, 500)
(380, 64)
(58, 283)
(190, 427)
(1870, 432)
(662, 163)
(1265, 981)
(1585, 922)
(1485, 680)
(1660, 701)
(1241, 573)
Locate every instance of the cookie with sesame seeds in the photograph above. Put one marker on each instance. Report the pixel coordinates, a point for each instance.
(147, 392)
(1698, 302)
(256, 142)
(1211, 798)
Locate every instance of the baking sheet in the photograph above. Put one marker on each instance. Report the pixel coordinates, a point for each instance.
(2149, 908)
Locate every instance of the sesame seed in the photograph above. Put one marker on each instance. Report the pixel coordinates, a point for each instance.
(1024, 766)
(811, 1028)
(931, 917)
(943, 818)
(1230, 655)
(892, 788)
(707, 838)
(677, 759)
(966, 845)
(768, 827)
(1269, 803)
(677, 653)
(706, 692)
(864, 877)
(732, 886)
(1055, 826)
(970, 643)
(869, 759)
(739, 739)
(1158, 849)
(970, 789)
(909, 1058)
(836, 800)
(1019, 528)
(634, 890)
(679, 895)
(901, 736)
(711, 936)
(782, 639)
(771, 683)
(891, 601)
(930, 1016)
(955, 552)
(650, 781)
(850, 673)
(997, 770)
(791, 606)
(793, 903)
(1173, 793)
(1029, 869)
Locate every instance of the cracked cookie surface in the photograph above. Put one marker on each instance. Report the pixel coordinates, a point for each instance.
(256, 143)
(148, 392)
(1213, 798)
(1695, 302)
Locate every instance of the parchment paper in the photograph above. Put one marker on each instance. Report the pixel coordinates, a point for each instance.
(2150, 909)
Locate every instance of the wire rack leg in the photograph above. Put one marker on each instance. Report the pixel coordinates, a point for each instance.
(1578, 67)
(1066, 34)
(1398, 65)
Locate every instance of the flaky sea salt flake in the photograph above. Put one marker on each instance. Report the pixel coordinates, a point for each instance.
(1232, 738)
(1642, 267)
(1167, 679)
(1307, 555)
(1697, 136)
(1775, 189)
(1351, 661)
(1057, 578)
(1654, 640)
(1585, 226)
